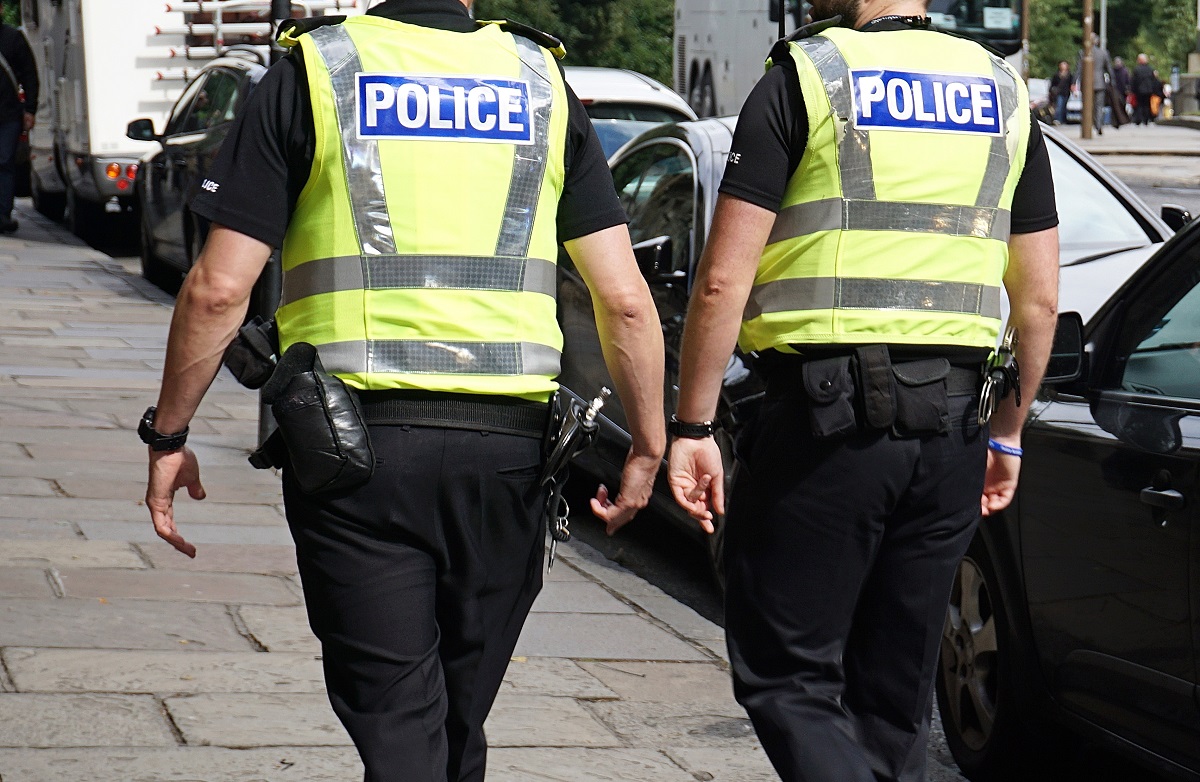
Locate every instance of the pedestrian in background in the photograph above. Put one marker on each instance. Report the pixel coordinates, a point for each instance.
(1121, 83)
(1060, 91)
(859, 250)
(1142, 85)
(418, 170)
(1102, 78)
(18, 107)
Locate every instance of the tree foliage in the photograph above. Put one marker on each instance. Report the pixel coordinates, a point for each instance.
(634, 34)
(1165, 30)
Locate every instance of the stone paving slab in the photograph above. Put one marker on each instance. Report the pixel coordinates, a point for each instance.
(161, 672)
(199, 533)
(37, 529)
(671, 612)
(677, 724)
(601, 636)
(118, 624)
(177, 585)
(223, 493)
(664, 682)
(545, 721)
(551, 676)
(583, 765)
(181, 764)
(24, 582)
(187, 511)
(258, 720)
(32, 720)
(27, 487)
(68, 554)
(225, 558)
(582, 597)
(721, 764)
(280, 629)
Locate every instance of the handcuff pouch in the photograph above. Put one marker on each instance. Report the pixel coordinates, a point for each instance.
(829, 387)
(251, 356)
(922, 407)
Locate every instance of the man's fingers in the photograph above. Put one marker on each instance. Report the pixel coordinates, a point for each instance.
(196, 490)
(164, 525)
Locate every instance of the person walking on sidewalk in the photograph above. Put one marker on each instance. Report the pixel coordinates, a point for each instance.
(18, 106)
(1060, 91)
(859, 247)
(1142, 83)
(418, 170)
(1102, 79)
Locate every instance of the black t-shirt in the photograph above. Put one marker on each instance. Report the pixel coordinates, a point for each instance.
(265, 160)
(772, 132)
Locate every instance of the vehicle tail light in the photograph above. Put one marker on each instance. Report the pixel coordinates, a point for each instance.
(122, 184)
(113, 170)
(131, 170)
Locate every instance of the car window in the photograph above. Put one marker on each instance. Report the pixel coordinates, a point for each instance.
(657, 188)
(641, 112)
(219, 97)
(178, 121)
(1091, 219)
(1165, 357)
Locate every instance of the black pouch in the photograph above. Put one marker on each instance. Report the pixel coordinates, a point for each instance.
(251, 354)
(321, 423)
(829, 386)
(876, 386)
(921, 403)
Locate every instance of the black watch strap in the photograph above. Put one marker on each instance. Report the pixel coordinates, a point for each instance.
(698, 431)
(155, 439)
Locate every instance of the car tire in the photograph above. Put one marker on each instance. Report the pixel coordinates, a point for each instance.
(154, 269)
(83, 216)
(992, 728)
(50, 205)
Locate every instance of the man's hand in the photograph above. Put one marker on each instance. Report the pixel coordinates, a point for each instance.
(1000, 482)
(29, 121)
(637, 482)
(170, 471)
(697, 477)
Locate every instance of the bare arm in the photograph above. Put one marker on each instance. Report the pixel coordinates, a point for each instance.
(208, 312)
(631, 338)
(1032, 285)
(723, 282)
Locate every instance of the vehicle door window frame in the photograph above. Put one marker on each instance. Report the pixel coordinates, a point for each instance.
(687, 254)
(182, 110)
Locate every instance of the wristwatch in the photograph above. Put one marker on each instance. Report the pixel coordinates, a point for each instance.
(156, 440)
(692, 431)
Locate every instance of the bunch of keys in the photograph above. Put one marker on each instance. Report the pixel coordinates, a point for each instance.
(576, 432)
(1003, 375)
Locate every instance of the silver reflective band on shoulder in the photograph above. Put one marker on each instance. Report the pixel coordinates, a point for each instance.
(1001, 151)
(833, 214)
(854, 145)
(825, 293)
(360, 157)
(441, 358)
(529, 162)
(390, 272)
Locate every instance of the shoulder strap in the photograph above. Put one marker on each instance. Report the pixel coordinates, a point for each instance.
(290, 30)
(544, 40)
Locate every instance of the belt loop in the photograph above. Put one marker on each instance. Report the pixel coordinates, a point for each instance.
(875, 384)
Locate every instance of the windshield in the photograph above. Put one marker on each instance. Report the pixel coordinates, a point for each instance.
(613, 133)
(994, 22)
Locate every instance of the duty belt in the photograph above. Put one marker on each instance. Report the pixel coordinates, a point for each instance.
(504, 415)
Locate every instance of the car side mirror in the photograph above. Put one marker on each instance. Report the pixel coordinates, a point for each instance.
(1066, 354)
(1175, 216)
(654, 260)
(141, 130)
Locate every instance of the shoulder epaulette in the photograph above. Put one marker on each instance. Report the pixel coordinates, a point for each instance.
(779, 52)
(544, 40)
(290, 30)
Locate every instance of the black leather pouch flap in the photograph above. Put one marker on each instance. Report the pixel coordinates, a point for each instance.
(922, 407)
(829, 386)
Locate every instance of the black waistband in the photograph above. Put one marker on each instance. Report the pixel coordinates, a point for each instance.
(505, 415)
(786, 373)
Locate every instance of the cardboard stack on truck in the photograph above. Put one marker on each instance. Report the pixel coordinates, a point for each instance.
(102, 63)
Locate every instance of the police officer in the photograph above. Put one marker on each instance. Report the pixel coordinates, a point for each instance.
(418, 170)
(884, 181)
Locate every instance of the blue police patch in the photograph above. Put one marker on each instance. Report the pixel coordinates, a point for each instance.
(471, 108)
(940, 102)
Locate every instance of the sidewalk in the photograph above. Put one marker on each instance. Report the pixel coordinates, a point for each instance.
(124, 661)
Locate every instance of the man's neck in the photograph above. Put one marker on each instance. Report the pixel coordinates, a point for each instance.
(873, 9)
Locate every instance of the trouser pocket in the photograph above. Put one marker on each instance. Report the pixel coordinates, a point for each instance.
(922, 407)
(829, 386)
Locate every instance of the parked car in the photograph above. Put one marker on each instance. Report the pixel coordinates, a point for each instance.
(616, 93)
(667, 180)
(171, 236)
(1074, 613)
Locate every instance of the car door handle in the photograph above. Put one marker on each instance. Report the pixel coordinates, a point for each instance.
(1162, 498)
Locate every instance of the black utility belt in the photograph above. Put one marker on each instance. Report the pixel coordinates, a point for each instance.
(503, 415)
(864, 390)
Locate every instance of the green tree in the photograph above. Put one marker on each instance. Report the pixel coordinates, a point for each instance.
(12, 13)
(1055, 29)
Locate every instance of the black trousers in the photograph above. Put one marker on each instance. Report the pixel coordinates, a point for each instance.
(417, 585)
(840, 556)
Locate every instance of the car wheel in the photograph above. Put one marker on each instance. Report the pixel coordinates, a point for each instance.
(50, 205)
(154, 268)
(83, 217)
(991, 728)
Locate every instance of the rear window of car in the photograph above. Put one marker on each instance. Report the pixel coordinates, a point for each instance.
(642, 112)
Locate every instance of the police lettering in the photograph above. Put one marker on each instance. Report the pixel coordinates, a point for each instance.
(903, 100)
(444, 108)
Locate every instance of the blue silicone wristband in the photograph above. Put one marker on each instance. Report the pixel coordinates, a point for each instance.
(1006, 449)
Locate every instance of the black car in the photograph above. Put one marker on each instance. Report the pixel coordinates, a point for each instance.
(171, 236)
(1076, 612)
(667, 179)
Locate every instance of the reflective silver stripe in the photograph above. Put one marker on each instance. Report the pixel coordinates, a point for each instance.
(440, 358)
(529, 161)
(1000, 155)
(854, 147)
(364, 172)
(385, 272)
(823, 293)
(833, 213)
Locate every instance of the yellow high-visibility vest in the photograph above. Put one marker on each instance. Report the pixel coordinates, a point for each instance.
(422, 250)
(894, 227)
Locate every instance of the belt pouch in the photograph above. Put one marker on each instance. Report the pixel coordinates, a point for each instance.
(876, 386)
(921, 403)
(829, 387)
(251, 354)
(319, 418)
